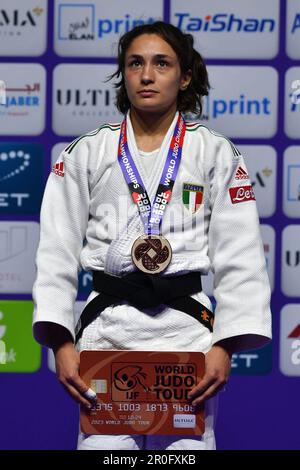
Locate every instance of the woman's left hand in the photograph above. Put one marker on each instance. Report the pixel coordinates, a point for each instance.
(217, 371)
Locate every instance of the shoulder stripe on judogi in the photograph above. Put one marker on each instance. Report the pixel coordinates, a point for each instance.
(72, 145)
(194, 126)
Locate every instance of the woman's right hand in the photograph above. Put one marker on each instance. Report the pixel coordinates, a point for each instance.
(67, 370)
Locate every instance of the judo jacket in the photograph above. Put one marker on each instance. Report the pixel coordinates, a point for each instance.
(89, 221)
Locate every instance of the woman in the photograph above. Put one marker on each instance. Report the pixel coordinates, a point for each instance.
(203, 216)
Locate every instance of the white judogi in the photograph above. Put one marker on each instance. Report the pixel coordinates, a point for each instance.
(90, 199)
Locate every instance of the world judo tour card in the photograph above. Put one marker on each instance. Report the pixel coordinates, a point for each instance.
(142, 392)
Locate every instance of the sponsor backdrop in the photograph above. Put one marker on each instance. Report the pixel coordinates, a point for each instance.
(56, 56)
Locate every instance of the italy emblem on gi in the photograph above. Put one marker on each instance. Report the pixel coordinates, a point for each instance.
(192, 196)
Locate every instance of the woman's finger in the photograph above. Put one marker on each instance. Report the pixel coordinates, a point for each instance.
(77, 396)
(209, 393)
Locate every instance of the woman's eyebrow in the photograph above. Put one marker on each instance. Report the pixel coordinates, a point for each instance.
(156, 56)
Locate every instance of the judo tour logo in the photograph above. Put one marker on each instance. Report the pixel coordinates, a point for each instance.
(162, 382)
(129, 377)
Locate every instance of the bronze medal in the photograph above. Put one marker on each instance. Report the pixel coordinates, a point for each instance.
(151, 253)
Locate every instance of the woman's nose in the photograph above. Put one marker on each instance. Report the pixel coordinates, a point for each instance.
(147, 74)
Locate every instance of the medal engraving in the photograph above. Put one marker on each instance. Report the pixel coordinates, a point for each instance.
(151, 253)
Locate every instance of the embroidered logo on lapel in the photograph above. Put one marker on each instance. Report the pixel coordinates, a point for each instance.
(192, 196)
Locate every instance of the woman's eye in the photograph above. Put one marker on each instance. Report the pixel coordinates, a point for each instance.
(162, 63)
(134, 63)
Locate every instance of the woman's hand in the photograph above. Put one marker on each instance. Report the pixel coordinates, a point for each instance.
(217, 371)
(67, 367)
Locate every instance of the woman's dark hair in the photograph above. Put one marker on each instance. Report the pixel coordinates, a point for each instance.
(190, 99)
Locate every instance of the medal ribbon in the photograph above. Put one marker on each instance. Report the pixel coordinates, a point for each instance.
(152, 216)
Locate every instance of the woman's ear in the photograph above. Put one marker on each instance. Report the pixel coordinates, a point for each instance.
(185, 80)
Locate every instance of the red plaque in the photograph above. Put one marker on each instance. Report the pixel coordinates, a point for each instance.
(142, 392)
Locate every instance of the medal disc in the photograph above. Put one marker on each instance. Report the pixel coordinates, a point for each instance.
(151, 253)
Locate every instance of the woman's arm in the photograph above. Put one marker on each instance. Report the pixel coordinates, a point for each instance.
(241, 286)
(64, 218)
(63, 224)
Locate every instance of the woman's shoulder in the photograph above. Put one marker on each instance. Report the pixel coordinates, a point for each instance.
(193, 126)
(211, 136)
(91, 137)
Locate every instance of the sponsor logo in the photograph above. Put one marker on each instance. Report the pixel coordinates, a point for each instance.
(120, 25)
(76, 22)
(83, 101)
(290, 340)
(21, 171)
(241, 194)
(290, 262)
(22, 159)
(259, 177)
(224, 22)
(24, 107)
(238, 106)
(241, 174)
(291, 201)
(184, 421)
(2, 92)
(58, 169)
(247, 111)
(26, 98)
(258, 362)
(292, 99)
(295, 95)
(20, 19)
(292, 258)
(23, 30)
(3, 356)
(293, 182)
(296, 23)
(18, 350)
(295, 345)
(295, 333)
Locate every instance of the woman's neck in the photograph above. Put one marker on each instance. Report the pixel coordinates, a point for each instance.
(150, 128)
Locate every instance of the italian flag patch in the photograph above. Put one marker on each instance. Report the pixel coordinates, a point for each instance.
(192, 196)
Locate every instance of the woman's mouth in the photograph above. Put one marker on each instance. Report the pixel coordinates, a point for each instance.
(147, 93)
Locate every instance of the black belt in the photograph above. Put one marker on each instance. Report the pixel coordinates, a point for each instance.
(144, 290)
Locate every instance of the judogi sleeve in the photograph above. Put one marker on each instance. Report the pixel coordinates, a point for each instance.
(64, 218)
(241, 284)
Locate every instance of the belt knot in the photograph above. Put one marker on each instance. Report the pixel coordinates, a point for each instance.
(151, 292)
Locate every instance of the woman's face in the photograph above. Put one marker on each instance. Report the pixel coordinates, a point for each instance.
(152, 74)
